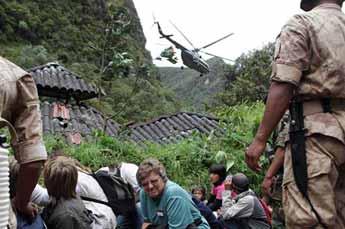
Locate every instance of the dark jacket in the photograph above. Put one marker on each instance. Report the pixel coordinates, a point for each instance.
(207, 213)
(70, 214)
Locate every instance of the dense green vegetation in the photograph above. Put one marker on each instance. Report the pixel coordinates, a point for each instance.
(186, 162)
(248, 78)
(245, 80)
(101, 40)
(197, 92)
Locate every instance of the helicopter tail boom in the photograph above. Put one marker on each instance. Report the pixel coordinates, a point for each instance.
(168, 37)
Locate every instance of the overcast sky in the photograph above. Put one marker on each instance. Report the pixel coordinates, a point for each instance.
(254, 23)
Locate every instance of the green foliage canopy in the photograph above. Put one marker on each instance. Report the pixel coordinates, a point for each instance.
(248, 80)
(100, 40)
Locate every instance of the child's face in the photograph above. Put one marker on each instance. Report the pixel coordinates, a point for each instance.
(214, 177)
(198, 195)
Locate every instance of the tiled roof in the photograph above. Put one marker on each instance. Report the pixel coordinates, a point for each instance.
(170, 129)
(53, 80)
(81, 120)
(77, 122)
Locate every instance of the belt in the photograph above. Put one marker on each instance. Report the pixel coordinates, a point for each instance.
(311, 107)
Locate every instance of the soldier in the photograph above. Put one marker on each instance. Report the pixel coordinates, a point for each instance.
(309, 75)
(19, 105)
(170, 54)
(271, 185)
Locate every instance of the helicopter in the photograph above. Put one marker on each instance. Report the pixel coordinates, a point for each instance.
(190, 57)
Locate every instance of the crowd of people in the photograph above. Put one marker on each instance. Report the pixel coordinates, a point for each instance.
(161, 202)
(307, 85)
(73, 197)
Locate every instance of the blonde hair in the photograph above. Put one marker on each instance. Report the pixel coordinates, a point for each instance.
(60, 178)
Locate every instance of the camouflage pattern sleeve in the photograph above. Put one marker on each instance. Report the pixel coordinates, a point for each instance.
(283, 131)
(291, 56)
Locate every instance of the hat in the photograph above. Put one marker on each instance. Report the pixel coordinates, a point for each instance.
(240, 182)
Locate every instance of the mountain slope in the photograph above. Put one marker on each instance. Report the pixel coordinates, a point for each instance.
(100, 40)
(195, 91)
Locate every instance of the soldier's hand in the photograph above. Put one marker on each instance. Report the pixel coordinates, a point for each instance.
(29, 210)
(266, 185)
(253, 154)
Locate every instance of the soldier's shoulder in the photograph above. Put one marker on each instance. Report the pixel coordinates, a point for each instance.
(299, 20)
(10, 70)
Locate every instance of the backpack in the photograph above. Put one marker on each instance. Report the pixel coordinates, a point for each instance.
(266, 208)
(120, 195)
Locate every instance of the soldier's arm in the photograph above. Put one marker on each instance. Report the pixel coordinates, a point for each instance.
(27, 180)
(276, 164)
(278, 101)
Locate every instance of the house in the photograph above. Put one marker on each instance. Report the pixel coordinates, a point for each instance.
(63, 112)
(173, 128)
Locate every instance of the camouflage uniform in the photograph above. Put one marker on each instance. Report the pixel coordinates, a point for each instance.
(279, 138)
(310, 54)
(19, 105)
(169, 53)
(281, 132)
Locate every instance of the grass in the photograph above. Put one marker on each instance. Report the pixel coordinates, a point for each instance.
(186, 162)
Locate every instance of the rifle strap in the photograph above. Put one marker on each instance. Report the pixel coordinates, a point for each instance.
(95, 200)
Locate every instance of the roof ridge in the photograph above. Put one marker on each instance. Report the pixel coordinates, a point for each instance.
(171, 115)
(53, 80)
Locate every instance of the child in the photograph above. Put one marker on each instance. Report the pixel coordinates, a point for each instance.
(217, 176)
(199, 193)
(87, 186)
(65, 209)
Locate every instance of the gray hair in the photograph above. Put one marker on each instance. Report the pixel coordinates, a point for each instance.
(147, 167)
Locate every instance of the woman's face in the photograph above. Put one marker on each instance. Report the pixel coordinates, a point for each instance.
(153, 185)
(214, 177)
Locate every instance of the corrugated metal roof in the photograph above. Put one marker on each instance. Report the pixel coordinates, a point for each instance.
(172, 128)
(53, 80)
(82, 119)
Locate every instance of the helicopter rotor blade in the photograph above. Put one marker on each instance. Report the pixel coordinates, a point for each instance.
(210, 54)
(184, 36)
(214, 42)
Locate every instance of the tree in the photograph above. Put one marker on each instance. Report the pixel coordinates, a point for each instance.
(248, 79)
(34, 55)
